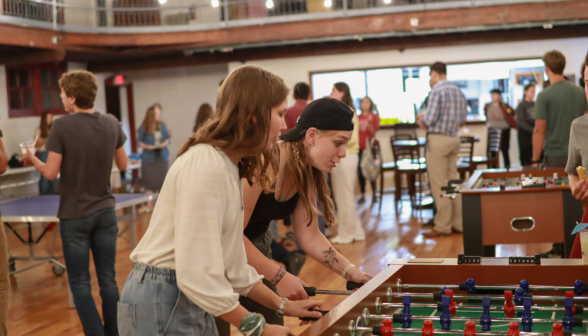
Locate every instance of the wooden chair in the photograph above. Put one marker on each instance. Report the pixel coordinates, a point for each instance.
(465, 157)
(386, 167)
(491, 160)
(405, 129)
(408, 162)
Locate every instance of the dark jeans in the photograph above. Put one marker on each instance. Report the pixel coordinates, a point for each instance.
(525, 147)
(505, 146)
(360, 176)
(46, 187)
(279, 252)
(96, 232)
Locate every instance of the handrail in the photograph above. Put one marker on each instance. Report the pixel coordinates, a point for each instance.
(71, 15)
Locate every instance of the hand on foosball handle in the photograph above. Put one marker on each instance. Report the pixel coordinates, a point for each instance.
(304, 308)
(355, 275)
(292, 288)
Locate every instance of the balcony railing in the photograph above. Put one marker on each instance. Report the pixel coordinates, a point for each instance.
(145, 16)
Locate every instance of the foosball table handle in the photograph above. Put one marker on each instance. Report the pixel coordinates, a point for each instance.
(323, 312)
(310, 291)
(353, 285)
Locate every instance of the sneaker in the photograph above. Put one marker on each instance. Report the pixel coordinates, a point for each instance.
(359, 234)
(295, 262)
(361, 200)
(434, 234)
(341, 240)
(430, 223)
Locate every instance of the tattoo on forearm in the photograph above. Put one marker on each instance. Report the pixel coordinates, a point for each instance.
(330, 257)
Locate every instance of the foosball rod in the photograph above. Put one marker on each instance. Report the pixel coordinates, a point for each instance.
(312, 291)
(480, 297)
(497, 287)
(355, 330)
(380, 317)
(465, 307)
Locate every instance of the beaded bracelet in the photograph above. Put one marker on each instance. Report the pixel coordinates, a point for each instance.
(252, 324)
(278, 276)
(344, 274)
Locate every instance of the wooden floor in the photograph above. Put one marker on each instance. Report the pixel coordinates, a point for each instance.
(38, 299)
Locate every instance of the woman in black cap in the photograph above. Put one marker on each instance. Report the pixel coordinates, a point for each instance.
(308, 151)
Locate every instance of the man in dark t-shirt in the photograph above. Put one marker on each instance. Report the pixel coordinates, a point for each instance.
(82, 146)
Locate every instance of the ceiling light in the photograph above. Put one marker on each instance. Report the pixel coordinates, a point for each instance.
(162, 1)
(328, 3)
(215, 3)
(269, 4)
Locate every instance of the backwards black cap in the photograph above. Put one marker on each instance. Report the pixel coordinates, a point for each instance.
(325, 114)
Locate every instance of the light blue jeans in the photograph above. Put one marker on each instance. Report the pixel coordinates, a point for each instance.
(151, 304)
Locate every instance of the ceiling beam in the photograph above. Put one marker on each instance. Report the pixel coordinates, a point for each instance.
(34, 57)
(13, 35)
(332, 48)
(361, 25)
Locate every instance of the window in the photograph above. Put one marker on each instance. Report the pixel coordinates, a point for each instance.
(34, 89)
(399, 93)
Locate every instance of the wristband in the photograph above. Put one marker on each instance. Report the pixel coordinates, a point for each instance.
(252, 324)
(278, 277)
(344, 274)
(280, 311)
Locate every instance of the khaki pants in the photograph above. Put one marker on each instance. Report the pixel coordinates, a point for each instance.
(442, 152)
(343, 179)
(4, 283)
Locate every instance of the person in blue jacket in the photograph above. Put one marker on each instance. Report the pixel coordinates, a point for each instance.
(154, 138)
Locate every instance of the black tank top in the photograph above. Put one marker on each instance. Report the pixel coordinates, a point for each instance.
(267, 209)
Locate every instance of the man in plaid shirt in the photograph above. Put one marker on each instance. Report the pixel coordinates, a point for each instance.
(446, 113)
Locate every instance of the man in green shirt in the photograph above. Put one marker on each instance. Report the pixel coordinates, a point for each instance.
(555, 109)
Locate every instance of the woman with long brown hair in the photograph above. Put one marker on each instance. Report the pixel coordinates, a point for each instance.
(191, 262)
(308, 151)
(343, 178)
(204, 113)
(46, 187)
(154, 138)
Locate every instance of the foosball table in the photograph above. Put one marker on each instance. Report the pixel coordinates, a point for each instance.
(518, 207)
(467, 296)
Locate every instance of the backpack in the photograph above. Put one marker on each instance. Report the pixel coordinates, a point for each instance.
(371, 162)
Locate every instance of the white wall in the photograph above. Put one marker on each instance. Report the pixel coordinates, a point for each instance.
(180, 91)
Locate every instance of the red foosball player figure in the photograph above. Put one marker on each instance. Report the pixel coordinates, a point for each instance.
(470, 329)
(509, 307)
(428, 329)
(557, 330)
(387, 329)
(452, 304)
(513, 329)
